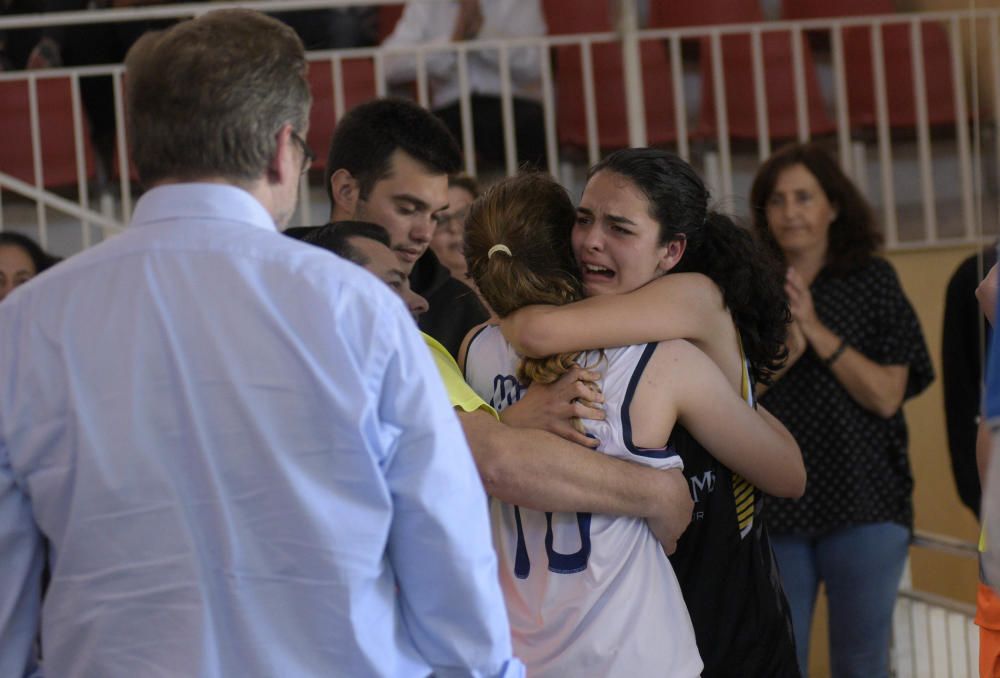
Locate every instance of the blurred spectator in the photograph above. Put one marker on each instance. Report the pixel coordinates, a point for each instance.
(436, 23)
(448, 242)
(856, 353)
(961, 369)
(449, 236)
(21, 259)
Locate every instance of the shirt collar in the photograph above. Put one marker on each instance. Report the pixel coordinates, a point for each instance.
(202, 201)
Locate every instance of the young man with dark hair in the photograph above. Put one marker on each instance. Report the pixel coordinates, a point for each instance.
(389, 163)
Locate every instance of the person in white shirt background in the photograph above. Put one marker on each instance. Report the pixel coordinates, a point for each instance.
(437, 23)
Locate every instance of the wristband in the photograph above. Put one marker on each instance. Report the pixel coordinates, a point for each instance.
(832, 358)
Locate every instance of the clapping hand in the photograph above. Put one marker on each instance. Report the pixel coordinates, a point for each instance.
(800, 301)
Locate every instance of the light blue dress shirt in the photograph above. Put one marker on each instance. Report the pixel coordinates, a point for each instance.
(243, 461)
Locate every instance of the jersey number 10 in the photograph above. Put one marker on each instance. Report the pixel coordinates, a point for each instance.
(560, 563)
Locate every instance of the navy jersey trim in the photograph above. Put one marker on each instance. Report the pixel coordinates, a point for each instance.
(653, 453)
(468, 349)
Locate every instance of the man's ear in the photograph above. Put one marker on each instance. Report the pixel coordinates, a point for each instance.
(282, 161)
(346, 194)
(672, 253)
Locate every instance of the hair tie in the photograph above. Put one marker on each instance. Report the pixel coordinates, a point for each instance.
(498, 248)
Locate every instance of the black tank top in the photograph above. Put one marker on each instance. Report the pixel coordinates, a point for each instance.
(728, 574)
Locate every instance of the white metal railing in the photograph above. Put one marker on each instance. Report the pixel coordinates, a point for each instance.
(718, 152)
(934, 636)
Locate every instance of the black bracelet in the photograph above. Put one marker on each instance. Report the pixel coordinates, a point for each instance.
(832, 358)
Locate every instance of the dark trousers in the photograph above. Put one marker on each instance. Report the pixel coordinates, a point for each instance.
(487, 131)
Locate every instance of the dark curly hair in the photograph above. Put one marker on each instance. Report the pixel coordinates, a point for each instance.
(852, 237)
(750, 277)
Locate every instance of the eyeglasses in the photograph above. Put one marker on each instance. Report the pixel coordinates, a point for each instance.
(307, 153)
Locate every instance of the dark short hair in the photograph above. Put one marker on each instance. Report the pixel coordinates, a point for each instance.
(40, 259)
(852, 237)
(336, 237)
(369, 134)
(208, 96)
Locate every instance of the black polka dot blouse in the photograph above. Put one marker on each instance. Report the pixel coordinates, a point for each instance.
(857, 463)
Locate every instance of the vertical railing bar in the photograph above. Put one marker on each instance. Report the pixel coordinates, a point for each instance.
(801, 95)
(36, 158)
(549, 112)
(947, 644)
(760, 95)
(977, 153)
(465, 111)
(380, 86)
(840, 99)
(923, 131)
(721, 114)
(969, 662)
(590, 106)
(929, 637)
(961, 118)
(884, 144)
(82, 188)
(680, 108)
(635, 103)
(124, 173)
(507, 113)
(337, 82)
(423, 97)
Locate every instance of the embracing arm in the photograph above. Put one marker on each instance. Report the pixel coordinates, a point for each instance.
(675, 306)
(538, 470)
(752, 442)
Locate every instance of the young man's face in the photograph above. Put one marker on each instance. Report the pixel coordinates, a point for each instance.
(406, 203)
(385, 265)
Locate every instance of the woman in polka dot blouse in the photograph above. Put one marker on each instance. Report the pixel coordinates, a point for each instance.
(856, 352)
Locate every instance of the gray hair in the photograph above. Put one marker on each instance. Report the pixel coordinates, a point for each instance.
(208, 96)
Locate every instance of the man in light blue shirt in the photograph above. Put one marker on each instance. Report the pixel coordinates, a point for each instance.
(235, 446)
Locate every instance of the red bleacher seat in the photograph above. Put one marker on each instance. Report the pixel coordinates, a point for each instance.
(55, 111)
(591, 16)
(359, 87)
(737, 58)
(859, 70)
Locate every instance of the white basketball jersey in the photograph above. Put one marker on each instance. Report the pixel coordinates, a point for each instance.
(587, 595)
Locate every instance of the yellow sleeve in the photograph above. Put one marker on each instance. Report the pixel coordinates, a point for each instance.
(461, 394)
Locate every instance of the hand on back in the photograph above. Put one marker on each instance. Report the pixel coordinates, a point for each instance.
(558, 407)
